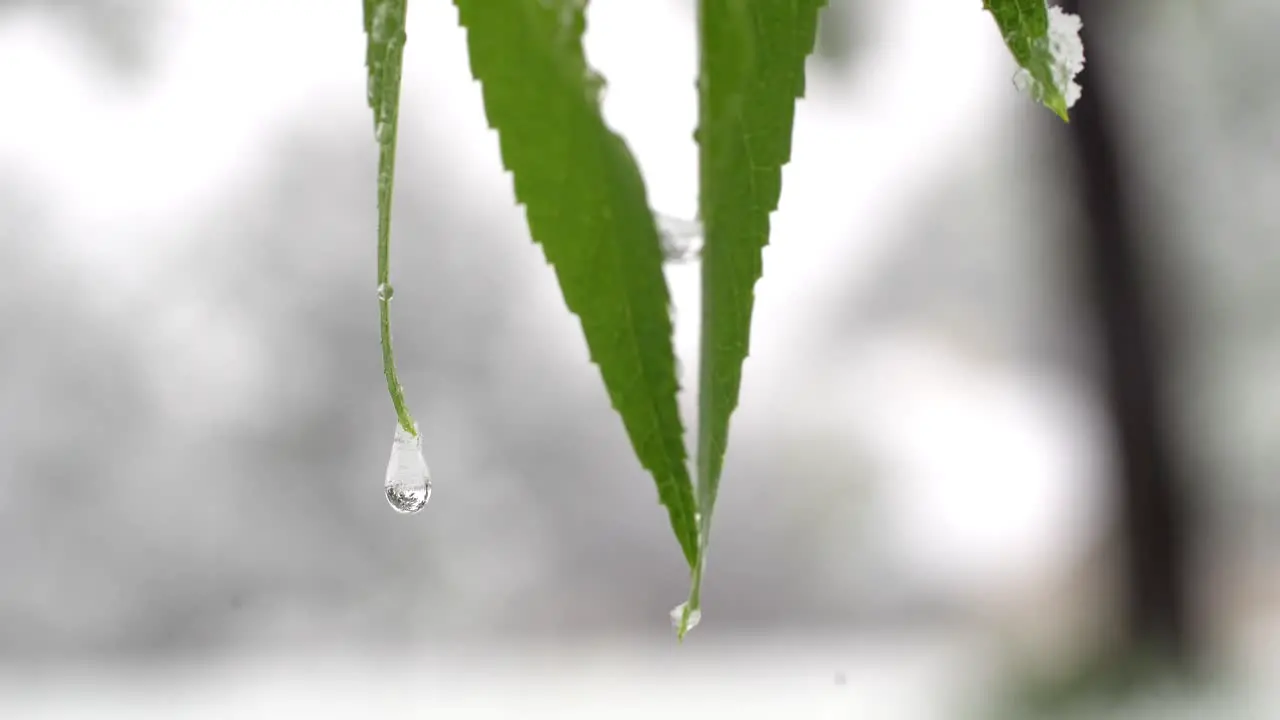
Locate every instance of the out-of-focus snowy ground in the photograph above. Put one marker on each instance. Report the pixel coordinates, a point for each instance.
(939, 676)
(990, 469)
(800, 679)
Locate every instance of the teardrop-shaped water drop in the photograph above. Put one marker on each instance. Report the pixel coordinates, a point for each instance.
(408, 483)
(385, 291)
(677, 616)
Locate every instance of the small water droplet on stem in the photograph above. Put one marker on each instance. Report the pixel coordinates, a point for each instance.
(677, 617)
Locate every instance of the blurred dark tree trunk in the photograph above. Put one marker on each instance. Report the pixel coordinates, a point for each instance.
(1121, 292)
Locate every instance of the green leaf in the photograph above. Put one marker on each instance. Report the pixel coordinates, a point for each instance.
(1025, 27)
(752, 71)
(586, 205)
(384, 26)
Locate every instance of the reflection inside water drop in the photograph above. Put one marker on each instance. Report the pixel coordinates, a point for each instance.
(408, 483)
(408, 500)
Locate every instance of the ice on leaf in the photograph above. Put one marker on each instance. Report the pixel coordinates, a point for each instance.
(1045, 41)
(685, 618)
(1066, 53)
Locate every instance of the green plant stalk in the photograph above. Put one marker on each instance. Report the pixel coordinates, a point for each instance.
(388, 354)
(386, 176)
(385, 99)
(386, 185)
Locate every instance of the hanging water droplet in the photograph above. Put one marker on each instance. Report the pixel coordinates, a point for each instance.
(681, 239)
(408, 483)
(677, 616)
(386, 292)
(380, 130)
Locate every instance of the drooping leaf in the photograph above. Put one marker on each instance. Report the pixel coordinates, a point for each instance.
(586, 205)
(384, 57)
(1046, 44)
(751, 73)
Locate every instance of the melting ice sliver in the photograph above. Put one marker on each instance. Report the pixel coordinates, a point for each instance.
(681, 239)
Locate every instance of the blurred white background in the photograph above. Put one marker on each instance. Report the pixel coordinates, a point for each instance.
(194, 425)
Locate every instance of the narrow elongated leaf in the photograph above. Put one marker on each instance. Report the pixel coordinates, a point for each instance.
(586, 205)
(751, 73)
(1046, 44)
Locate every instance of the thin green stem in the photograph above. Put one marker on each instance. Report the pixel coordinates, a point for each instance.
(389, 364)
(386, 175)
(386, 114)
